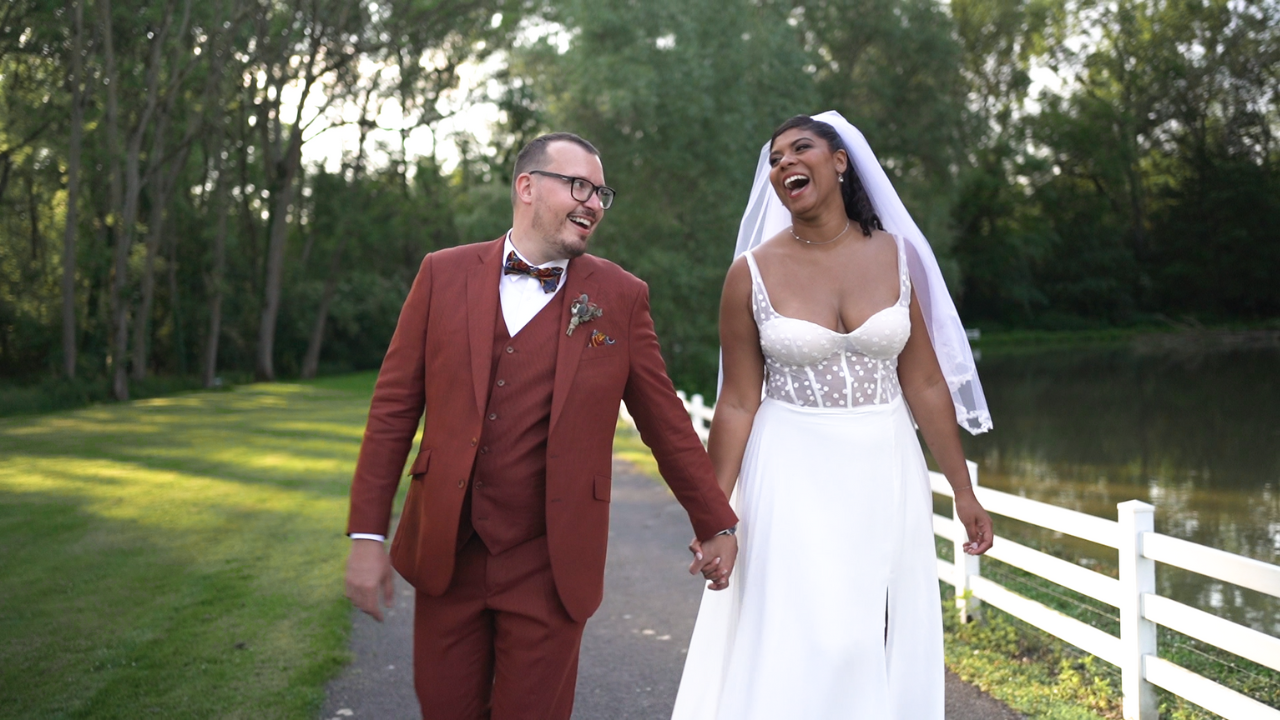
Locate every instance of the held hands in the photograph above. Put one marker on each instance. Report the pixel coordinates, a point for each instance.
(977, 523)
(714, 559)
(368, 572)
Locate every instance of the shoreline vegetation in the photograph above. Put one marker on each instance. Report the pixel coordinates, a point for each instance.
(45, 394)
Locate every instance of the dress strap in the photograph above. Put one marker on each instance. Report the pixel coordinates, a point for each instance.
(755, 270)
(761, 306)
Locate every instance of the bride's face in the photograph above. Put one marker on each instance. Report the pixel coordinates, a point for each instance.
(805, 173)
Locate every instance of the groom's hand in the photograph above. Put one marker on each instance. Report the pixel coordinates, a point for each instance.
(368, 573)
(714, 559)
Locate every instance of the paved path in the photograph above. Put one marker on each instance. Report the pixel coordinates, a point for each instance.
(633, 649)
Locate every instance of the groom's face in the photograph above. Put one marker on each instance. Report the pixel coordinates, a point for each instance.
(562, 224)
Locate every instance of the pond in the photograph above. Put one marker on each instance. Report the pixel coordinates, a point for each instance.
(1187, 422)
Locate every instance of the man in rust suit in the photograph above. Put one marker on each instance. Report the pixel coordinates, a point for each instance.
(518, 351)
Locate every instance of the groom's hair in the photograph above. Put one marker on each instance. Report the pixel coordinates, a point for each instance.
(534, 155)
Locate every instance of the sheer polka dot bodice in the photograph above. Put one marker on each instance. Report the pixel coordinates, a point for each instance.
(813, 366)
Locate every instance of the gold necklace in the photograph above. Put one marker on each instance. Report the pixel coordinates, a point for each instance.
(824, 242)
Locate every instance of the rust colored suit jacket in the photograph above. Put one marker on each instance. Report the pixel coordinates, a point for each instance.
(439, 363)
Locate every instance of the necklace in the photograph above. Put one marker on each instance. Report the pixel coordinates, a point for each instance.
(824, 242)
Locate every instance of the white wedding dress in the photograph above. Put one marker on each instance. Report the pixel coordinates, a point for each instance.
(835, 536)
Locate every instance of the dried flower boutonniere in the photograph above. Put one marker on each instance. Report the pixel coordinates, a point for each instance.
(582, 310)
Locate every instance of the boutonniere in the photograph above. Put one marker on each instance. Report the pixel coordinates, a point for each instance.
(581, 311)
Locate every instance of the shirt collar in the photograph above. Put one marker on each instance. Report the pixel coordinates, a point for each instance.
(510, 247)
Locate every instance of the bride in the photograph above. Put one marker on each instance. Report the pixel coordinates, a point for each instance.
(836, 308)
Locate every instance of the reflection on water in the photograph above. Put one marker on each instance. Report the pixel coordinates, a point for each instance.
(1190, 425)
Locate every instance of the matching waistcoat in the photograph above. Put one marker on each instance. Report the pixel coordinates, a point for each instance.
(508, 490)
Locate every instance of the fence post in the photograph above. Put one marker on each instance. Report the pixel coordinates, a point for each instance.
(1137, 634)
(696, 413)
(966, 566)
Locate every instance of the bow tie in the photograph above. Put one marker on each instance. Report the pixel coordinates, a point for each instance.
(549, 277)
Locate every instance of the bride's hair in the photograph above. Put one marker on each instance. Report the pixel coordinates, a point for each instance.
(857, 204)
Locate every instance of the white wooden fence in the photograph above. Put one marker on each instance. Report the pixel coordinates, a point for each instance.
(1134, 594)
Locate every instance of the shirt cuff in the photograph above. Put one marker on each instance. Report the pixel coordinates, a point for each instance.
(368, 536)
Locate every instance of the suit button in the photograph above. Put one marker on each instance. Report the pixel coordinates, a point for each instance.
(484, 450)
(462, 482)
(479, 484)
(493, 416)
(501, 383)
(510, 349)
(474, 441)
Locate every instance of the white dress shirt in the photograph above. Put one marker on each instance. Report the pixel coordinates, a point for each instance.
(521, 297)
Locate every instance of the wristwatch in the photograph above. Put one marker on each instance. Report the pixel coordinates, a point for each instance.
(727, 531)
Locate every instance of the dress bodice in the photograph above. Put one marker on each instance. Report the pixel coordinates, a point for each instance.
(814, 366)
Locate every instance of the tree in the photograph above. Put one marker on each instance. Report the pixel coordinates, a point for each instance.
(75, 8)
(679, 97)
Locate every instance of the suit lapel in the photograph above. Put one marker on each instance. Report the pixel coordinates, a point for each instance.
(482, 314)
(579, 282)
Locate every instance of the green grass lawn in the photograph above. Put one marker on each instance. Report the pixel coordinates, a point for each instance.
(179, 556)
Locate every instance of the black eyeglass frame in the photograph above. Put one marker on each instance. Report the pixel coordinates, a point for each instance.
(604, 192)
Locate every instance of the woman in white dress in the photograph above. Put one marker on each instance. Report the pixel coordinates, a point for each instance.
(834, 610)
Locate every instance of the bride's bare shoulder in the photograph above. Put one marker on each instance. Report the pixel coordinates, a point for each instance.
(774, 246)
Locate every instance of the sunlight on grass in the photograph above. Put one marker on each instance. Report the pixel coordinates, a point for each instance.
(628, 447)
(179, 556)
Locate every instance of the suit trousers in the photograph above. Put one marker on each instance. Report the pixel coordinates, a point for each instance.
(498, 644)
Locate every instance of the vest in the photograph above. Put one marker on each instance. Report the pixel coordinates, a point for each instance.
(508, 490)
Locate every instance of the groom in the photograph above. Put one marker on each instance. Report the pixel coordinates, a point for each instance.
(518, 351)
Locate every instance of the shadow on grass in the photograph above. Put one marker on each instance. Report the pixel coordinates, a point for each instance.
(180, 556)
(294, 436)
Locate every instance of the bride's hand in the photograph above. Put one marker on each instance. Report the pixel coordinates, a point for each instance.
(717, 569)
(977, 523)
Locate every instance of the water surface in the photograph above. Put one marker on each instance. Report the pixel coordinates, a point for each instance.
(1188, 423)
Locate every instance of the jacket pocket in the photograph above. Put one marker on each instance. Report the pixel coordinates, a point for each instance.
(603, 487)
(420, 463)
(602, 353)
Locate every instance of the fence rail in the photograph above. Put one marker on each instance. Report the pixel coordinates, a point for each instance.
(1134, 594)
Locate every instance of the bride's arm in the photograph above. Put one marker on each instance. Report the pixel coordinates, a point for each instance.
(926, 393)
(743, 377)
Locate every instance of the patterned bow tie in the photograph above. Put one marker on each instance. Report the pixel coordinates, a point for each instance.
(549, 277)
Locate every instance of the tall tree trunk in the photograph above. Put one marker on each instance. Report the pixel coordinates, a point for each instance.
(6, 165)
(162, 183)
(119, 327)
(216, 282)
(142, 318)
(76, 8)
(283, 200)
(311, 361)
(128, 209)
(175, 310)
(33, 214)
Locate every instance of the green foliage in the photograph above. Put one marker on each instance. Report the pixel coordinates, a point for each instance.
(679, 97)
(1142, 187)
(1077, 166)
(1026, 669)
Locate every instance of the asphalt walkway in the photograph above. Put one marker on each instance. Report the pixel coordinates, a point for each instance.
(633, 649)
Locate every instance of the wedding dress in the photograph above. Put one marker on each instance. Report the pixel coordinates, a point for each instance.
(835, 539)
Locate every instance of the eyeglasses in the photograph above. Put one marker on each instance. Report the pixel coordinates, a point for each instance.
(582, 189)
